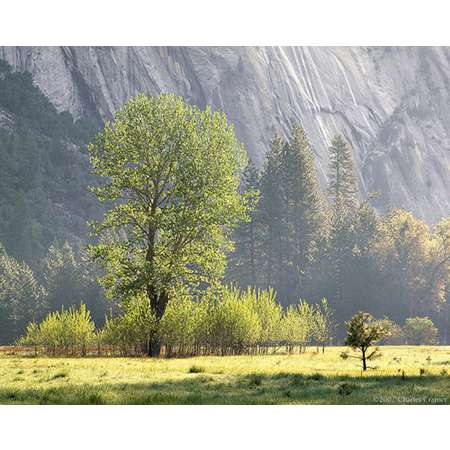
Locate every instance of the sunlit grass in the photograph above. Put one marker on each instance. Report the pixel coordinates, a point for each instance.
(271, 379)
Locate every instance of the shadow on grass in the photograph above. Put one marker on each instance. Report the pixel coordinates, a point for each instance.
(280, 388)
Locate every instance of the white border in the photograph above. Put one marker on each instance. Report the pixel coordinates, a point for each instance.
(228, 428)
(225, 22)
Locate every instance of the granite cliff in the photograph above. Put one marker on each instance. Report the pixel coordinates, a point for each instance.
(393, 104)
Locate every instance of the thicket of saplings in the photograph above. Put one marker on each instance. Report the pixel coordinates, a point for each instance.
(230, 322)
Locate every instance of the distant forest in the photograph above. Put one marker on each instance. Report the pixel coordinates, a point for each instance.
(301, 241)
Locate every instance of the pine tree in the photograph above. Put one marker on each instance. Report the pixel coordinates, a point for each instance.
(22, 299)
(273, 214)
(342, 187)
(244, 262)
(293, 214)
(342, 191)
(305, 206)
(62, 277)
(69, 277)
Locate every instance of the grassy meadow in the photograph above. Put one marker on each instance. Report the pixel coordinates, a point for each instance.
(308, 378)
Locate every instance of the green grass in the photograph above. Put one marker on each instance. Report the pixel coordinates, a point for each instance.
(308, 378)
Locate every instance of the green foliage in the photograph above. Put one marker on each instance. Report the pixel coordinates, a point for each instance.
(69, 275)
(342, 187)
(182, 326)
(65, 330)
(133, 330)
(420, 331)
(244, 262)
(170, 176)
(269, 313)
(392, 264)
(234, 322)
(292, 215)
(62, 277)
(403, 256)
(223, 321)
(297, 325)
(362, 332)
(323, 324)
(32, 336)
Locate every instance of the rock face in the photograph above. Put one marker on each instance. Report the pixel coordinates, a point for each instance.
(392, 104)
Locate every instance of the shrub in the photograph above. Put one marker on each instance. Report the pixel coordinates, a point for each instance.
(196, 369)
(297, 325)
(394, 336)
(32, 336)
(180, 327)
(234, 323)
(66, 329)
(269, 313)
(133, 329)
(323, 324)
(420, 331)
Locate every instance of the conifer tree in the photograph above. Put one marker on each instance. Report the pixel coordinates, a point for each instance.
(273, 213)
(245, 261)
(342, 187)
(22, 299)
(293, 213)
(305, 206)
(342, 192)
(62, 277)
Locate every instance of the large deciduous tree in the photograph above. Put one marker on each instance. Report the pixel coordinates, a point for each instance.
(169, 175)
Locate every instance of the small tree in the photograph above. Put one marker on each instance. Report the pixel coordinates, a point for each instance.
(296, 325)
(32, 336)
(269, 313)
(362, 332)
(134, 328)
(323, 324)
(84, 328)
(235, 325)
(177, 329)
(420, 331)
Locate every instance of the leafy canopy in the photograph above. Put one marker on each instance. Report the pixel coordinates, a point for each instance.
(169, 177)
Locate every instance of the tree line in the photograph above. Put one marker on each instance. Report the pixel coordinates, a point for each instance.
(225, 322)
(63, 278)
(178, 217)
(43, 173)
(305, 242)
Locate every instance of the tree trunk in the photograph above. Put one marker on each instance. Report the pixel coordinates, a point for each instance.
(364, 359)
(158, 302)
(252, 254)
(155, 349)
